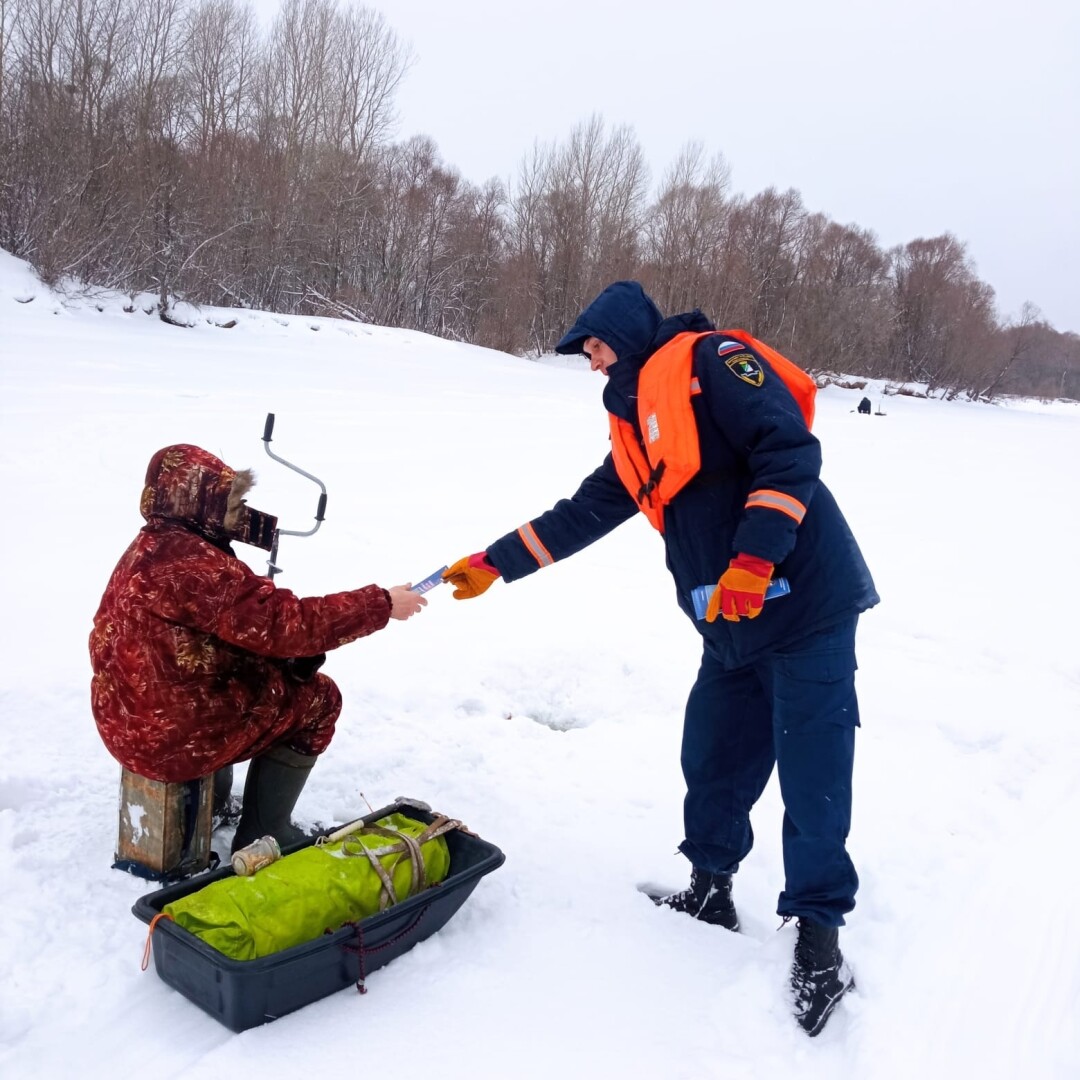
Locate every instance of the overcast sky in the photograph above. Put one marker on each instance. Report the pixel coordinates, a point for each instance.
(909, 118)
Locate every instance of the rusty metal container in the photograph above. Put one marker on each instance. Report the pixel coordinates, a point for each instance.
(165, 828)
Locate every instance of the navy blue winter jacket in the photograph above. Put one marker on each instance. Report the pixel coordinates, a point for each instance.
(752, 438)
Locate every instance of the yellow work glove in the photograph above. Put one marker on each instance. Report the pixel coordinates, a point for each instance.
(470, 576)
(741, 590)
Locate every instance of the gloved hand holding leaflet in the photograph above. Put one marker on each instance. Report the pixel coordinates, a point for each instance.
(703, 593)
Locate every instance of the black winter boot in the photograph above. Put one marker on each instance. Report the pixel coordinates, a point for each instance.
(274, 782)
(707, 899)
(226, 808)
(819, 976)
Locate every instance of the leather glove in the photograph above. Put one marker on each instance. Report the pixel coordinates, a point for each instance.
(741, 590)
(471, 576)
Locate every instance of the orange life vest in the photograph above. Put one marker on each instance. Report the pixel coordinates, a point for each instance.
(671, 457)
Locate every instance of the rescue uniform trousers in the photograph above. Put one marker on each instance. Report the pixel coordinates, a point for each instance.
(796, 709)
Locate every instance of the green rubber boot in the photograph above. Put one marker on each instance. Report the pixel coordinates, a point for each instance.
(274, 782)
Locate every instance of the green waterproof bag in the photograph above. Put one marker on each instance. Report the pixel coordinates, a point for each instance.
(319, 888)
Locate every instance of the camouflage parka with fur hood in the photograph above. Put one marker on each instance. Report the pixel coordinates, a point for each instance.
(193, 653)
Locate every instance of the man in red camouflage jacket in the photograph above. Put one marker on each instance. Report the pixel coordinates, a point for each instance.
(199, 662)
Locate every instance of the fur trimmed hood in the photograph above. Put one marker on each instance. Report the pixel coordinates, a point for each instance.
(191, 486)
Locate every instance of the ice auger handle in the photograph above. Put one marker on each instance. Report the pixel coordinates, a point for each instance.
(320, 512)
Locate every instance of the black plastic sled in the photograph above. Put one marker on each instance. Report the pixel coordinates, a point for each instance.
(242, 994)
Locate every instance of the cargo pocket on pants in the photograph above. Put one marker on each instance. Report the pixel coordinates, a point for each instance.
(815, 688)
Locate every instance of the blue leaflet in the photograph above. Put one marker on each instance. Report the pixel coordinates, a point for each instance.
(429, 582)
(701, 595)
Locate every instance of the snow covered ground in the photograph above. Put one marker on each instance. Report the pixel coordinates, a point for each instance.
(546, 715)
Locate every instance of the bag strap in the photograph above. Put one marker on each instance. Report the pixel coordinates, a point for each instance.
(403, 844)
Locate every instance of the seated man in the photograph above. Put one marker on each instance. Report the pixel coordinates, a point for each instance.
(199, 662)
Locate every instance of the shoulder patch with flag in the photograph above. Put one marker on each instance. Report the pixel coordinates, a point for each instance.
(747, 367)
(726, 347)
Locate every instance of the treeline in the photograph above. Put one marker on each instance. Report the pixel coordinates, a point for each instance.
(172, 146)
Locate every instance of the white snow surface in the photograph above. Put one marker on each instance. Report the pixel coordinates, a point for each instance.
(546, 715)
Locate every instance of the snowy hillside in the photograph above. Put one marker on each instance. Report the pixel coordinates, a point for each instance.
(547, 716)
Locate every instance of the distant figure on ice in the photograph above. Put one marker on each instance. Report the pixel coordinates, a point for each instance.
(864, 406)
(200, 663)
(708, 441)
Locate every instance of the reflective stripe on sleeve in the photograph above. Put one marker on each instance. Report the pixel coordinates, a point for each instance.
(777, 500)
(532, 542)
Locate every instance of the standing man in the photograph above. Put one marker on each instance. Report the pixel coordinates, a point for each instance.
(710, 444)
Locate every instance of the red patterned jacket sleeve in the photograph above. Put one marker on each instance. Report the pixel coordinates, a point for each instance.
(203, 587)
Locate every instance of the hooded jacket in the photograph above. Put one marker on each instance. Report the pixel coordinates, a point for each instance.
(190, 648)
(753, 438)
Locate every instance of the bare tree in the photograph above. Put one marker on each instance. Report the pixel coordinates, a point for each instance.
(39, 44)
(683, 231)
(943, 313)
(842, 303)
(474, 303)
(7, 26)
(768, 236)
(1013, 343)
(159, 111)
(529, 243)
(297, 74)
(591, 212)
(9, 165)
(6, 16)
(219, 67)
(412, 252)
(96, 48)
(368, 64)
(157, 34)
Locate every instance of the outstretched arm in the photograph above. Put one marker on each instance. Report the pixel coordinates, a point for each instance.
(599, 505)
(202, 587)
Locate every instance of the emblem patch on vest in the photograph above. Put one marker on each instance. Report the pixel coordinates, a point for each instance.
(747, 368)
(728, 346)
(654, 427)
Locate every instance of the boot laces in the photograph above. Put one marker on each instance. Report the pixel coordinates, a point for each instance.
(813, 963)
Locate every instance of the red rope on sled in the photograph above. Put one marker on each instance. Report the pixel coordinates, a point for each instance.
(149, 933)
(361, 951)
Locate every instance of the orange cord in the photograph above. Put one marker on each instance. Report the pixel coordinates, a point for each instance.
(149, 933)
